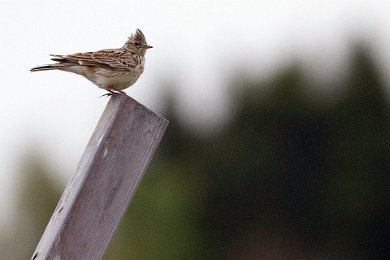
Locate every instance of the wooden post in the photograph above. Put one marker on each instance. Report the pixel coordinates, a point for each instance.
(106, 178)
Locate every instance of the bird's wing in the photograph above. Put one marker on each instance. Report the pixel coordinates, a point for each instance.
(110, 58)
(118, 59)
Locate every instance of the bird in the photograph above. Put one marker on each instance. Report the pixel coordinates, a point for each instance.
(111, 69)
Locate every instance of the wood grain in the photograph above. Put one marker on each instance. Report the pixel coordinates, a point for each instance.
(106, 178)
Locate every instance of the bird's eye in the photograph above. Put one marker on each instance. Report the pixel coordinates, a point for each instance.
(136, 44)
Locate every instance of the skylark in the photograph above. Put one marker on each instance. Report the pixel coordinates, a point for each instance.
(110, 69)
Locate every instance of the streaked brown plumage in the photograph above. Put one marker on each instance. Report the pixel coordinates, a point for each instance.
(110, 69)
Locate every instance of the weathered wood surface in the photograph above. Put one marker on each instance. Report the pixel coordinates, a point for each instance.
(106, 178)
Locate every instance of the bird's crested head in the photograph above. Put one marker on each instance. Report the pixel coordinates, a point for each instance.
(137, 43)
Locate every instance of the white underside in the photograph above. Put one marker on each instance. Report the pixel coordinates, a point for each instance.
(107, 78)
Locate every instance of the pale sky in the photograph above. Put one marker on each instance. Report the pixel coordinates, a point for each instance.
(198, 46)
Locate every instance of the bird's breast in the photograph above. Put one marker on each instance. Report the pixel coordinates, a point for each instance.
(114, 79)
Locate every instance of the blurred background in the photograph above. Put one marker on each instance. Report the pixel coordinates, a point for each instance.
(278, 145)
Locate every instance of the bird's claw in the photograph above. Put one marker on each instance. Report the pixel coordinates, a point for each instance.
(111, 92)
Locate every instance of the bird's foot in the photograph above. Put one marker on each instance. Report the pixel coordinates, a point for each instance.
(111, 92)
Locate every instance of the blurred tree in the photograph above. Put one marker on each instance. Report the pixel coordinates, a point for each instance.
(285, 178)
(38, 196)
(357, 202)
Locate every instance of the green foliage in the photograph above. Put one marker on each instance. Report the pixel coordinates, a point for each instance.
(285, 178)
(161, 220)
(38, 197)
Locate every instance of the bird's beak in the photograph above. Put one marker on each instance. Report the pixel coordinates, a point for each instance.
(148, 47)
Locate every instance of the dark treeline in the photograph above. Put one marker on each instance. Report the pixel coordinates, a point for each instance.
(287, 177)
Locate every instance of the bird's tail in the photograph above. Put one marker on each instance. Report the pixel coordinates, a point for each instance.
(62, 63)
(47, 67)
